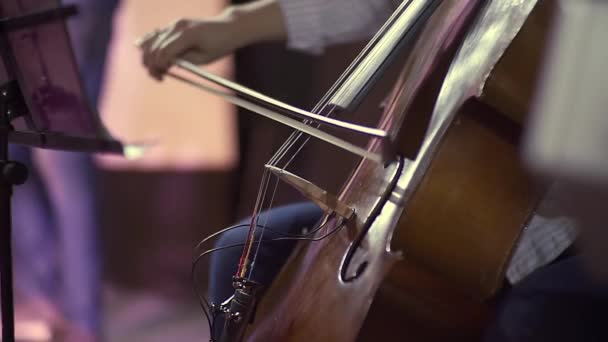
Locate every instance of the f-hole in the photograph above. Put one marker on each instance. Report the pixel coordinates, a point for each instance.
(356, 244)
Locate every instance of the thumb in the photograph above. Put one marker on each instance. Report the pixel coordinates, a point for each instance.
(197, 57)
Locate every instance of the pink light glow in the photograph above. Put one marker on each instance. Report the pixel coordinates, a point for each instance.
(193, 130)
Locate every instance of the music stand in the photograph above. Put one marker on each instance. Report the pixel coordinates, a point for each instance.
(42, 104)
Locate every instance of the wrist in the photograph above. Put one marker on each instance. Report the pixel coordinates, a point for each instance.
(258, 21)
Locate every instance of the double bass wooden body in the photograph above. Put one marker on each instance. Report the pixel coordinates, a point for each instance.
(435, 229)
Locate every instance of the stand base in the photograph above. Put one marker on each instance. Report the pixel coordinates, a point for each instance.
(11, 174)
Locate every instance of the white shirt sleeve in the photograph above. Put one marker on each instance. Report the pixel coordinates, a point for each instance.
(567, 136)
(313, 25)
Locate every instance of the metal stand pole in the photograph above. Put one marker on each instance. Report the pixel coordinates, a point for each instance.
(11, 173)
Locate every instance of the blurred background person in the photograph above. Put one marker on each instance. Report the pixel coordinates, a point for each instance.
(568, 133)
(560, 284)
(56, 237)
(148, 215)
(205, 171)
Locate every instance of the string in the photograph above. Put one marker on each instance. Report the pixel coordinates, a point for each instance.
(257, 251)
(278, 106)
(245, 225)
(242, 269)
(302, 238)
(286, 147)
(321, 106)
(204, 304)
(296, 136)
(299, 237)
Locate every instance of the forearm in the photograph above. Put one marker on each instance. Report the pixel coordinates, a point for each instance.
(313, 25)
(258, 21)
(308, 25)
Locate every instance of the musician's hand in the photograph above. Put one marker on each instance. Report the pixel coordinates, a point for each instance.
(586, 202)
(204, 41)
(197, 41)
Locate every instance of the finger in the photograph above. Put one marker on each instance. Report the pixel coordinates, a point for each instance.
(145, 40)
(155, 75)
(181, 24)
(158, 41)
(171, 48)
(148, 54)
(151, 46)
(152, 49)
(170, 30)
(146, 47)
(196, 57)
(155, 47)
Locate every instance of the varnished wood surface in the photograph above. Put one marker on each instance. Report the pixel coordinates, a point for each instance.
(455, 213)
(468, 211)
(511, 86)
(310, 301)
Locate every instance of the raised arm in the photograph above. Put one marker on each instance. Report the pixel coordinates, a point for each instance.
(306, 25)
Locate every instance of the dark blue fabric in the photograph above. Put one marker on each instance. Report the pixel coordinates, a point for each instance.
(558, 303)
(91, 32)
(290, 219)
(55, 212)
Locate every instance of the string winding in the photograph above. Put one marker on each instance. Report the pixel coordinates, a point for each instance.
(297, 141)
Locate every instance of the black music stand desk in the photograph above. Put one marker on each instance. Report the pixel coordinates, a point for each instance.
(42, 104)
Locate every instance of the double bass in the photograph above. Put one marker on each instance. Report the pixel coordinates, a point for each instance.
(416, 244)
